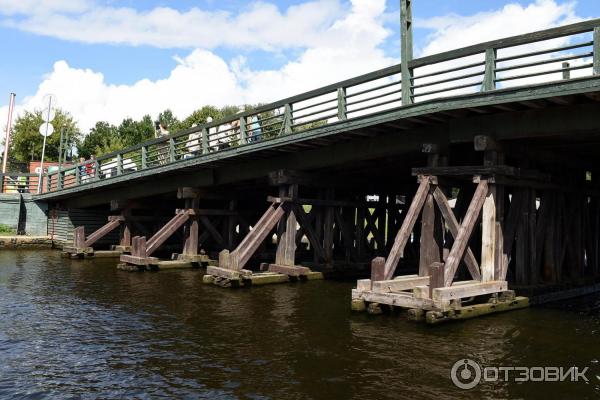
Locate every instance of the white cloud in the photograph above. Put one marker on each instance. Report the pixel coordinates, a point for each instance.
(347, 46)
(260, 25)
(349, 49)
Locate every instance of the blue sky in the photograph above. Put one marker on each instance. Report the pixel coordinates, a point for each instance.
(29, 57)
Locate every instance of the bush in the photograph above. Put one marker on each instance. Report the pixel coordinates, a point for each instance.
(6, 230)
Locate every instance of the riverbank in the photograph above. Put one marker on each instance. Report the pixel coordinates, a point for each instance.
(26, 242)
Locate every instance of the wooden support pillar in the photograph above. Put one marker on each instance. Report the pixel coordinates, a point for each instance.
(191, 229)
(431, 235)
(286, 239)
(328, 221)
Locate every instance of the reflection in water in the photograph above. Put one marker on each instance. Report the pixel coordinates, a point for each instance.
(73, 328)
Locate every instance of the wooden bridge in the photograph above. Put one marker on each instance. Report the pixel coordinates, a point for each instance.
(471, 171)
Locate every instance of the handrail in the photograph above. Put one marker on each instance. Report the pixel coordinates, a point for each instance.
(368, 94)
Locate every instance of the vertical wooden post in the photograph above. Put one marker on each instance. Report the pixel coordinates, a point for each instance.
(119, 164)
(360, 231)
(243, 133)
(406, 40)
(342, 109)
(566, 74)
(378, 269)
(77, 175)
(437, 277)
(328, 229)
(429, 249)
(489, 78)
(488, 236)
(191, 229)
(231, 224)
(79, 237)
(171, 150)
(286, 240)
(287, 118)
(597, 51)
(204, 141)
(144, 157)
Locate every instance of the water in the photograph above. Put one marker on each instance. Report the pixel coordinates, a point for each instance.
(82, 329)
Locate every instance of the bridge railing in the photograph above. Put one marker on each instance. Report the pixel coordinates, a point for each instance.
(565, 52)
(19, 182)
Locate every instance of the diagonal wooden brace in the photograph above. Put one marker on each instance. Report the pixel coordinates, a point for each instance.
(464, 233)
(406, 229)
(453, 227)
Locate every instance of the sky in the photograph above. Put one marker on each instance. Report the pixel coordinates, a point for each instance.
(112, 59)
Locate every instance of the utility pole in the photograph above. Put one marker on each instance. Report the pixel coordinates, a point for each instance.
(11, 107)
(406, 41)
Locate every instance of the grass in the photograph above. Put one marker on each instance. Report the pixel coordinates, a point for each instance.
(6, 230)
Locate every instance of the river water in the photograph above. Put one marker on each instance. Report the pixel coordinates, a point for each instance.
(82, 329)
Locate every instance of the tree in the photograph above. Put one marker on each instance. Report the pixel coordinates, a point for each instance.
(26, 142)
(171, 121)
(132, 132)
(199, 116)
(98, 138)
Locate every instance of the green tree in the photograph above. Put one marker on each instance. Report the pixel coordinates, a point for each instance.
(132, 132)
(98, 138)
(26, 141)
(171, 121)
(199, 116)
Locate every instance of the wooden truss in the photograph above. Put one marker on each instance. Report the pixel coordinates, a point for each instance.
(434, 287)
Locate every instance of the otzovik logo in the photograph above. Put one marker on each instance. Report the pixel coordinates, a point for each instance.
(466, 374)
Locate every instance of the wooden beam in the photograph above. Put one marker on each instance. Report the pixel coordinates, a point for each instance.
(464, 233)
(286, 241)
(488, 236)
(454, 227)
(399, 284)
(406, 229)
(101, 232)
(469, 290)
(165, 232)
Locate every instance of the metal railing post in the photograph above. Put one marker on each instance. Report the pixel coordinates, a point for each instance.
(406, 56)
(96, 170)
(48, 183)
(59, 180)
(341, 99)
(204, 141)
(1, 183)
(597, 50)
(489, 78)
(287, 118)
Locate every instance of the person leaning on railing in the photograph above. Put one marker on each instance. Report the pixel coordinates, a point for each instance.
(192, 145)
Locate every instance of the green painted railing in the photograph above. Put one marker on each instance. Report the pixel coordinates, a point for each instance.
(565, 52)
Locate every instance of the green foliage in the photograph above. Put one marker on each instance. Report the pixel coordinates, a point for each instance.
(169, 120)
(6, 230)
(199, 116)
(26, 141)
(101, 134)
(132, 132)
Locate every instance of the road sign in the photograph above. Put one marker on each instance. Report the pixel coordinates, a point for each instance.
(46, 129)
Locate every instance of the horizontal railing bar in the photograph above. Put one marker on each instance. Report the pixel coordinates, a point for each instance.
(323, 118)
(314, 105)
(373, 89)
(398, 91)
(549, 61)
(314, 113)
(552, 71)
(546, 51)
(553, 33)
(383, 103)
(446, 71)
(456, 78)
(448, 89)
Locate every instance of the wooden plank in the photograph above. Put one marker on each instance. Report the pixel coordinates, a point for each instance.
(406, 229)
(222, 272)
(290, 270)
(165, 232)
(253, 240)
(286, 241)
(136, 260)
(406, 300)
(429, 250)
(397, 285)
(453, 227)
(469, 290)
(378, 269)
(100, 233)
(210, 228)
(79, 237)
(437, 279)
(464, 233)
(488, 236)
